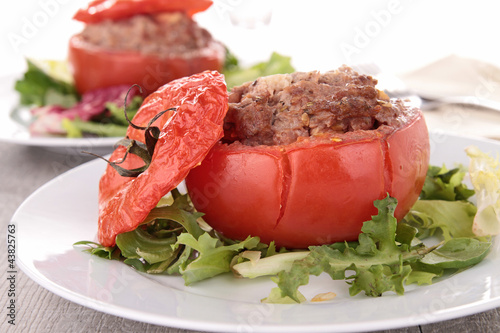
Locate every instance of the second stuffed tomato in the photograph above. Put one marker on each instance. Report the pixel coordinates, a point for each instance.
(305, 164)
(144, 42)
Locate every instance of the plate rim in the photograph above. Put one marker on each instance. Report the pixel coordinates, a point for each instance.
(11, 101)
(157, 319)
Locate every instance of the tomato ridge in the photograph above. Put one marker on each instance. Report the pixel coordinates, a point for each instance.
(388, 172)
(286, 171)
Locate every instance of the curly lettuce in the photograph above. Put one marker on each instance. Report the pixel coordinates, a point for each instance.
(442, 234)
(484, 173)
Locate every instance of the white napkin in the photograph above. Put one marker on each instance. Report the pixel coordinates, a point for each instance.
(454, 76)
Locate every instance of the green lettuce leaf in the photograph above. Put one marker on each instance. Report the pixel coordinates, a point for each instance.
(39, 87)
(116, 114)
(275, 297)
(139, 243)
(96, 249)
(76, 128)
(214, 258)
(452, 218)
(270, 265)
(378, 261)
(112, 124)
(387, 255)
(421, 277)
(236, 75)
(152, 247)
(443, 184)
(458, 253)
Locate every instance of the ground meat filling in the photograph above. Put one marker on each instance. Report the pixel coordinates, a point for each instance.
(160, 34)
(279, 109)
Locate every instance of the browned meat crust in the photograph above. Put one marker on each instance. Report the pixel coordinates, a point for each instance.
(161, 34)
(279, 109)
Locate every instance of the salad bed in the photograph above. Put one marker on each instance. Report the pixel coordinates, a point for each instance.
(445, 232)
(57, 109)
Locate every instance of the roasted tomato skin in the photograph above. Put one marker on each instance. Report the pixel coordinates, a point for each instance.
(314, 191)
(186, 136)
(99, 10)
(93, 67)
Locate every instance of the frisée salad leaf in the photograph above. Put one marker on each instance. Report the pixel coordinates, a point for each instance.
(434, 239)
(377, 263)
(484, 172)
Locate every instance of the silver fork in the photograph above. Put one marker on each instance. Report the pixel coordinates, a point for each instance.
(395, 88)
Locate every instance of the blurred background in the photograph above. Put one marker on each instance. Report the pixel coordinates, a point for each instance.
(443, 48)
(398, 35)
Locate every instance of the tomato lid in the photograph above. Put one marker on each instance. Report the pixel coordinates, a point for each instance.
(99, 10)
(195, 109)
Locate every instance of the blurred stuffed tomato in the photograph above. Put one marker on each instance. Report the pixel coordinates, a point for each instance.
(305, 155)
(145, 42)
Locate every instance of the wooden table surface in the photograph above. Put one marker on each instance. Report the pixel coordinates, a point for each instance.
(24, 169)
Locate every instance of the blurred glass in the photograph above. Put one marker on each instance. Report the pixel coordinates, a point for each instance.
(250, 14)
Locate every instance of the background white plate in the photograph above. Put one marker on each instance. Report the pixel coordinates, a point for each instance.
(17, 132)
(65, 211)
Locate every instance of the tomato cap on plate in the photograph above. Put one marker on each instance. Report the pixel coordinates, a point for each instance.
(99, 10)
(186, 136)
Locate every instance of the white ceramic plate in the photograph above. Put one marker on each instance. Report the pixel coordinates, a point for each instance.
(64, 211)
(14, 128)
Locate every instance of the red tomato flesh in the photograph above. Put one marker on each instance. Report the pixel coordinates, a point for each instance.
(95, 67)
(314, 191)
(99, 10)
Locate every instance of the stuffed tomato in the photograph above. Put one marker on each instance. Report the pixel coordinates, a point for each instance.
(145, 42)
(305, 155)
